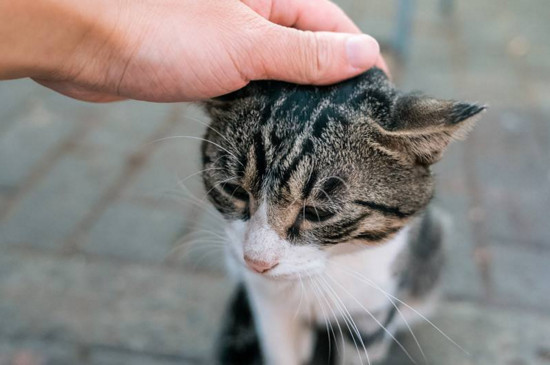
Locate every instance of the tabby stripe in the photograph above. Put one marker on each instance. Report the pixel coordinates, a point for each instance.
(267, 111)
(308, 186)
(376, 235)
(320, 124)
(346, 227)
(261, 164)
(244, 161)
(307, 148)
(344, 224)
(342, 236)
(384, 209)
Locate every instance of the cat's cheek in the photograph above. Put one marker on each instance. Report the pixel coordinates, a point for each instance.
(235, 232)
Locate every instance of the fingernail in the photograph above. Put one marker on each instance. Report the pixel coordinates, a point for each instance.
(363, 51)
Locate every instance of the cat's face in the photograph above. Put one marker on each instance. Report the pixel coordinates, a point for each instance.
(300, 172)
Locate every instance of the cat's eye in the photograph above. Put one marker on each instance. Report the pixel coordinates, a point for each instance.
(314, 214)
(236, 191)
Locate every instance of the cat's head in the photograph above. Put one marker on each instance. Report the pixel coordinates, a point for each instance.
(300, 170)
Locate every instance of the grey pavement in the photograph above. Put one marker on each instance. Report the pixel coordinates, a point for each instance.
(109, 253)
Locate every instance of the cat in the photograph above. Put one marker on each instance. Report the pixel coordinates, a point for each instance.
(326, 193)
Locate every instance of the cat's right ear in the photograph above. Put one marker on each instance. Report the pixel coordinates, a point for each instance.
(421, 127)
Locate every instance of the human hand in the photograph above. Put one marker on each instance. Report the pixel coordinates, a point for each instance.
(183, 50)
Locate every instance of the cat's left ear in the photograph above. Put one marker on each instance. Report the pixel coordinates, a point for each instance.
(422, 127)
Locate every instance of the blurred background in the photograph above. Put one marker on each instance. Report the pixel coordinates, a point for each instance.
(109, 253)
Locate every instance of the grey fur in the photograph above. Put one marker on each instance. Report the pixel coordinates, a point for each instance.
(368, 144)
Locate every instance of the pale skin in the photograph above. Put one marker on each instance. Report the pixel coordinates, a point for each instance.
(178, 50)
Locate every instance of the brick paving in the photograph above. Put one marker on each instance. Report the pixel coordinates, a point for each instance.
(98, 215)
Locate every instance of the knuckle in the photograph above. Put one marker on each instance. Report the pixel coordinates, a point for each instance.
(315, 53)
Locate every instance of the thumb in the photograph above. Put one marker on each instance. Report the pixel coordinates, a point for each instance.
(313, 57)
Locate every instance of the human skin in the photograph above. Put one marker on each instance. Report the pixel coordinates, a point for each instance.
(178, 50)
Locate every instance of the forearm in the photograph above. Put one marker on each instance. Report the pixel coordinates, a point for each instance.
(40, 38)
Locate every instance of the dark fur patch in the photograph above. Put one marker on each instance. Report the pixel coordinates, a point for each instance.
(261, 164)
(376, 235)
(463, 111)
(238, 343)
(372, 338)
(384, 209)
(425, 257)
(329, 187)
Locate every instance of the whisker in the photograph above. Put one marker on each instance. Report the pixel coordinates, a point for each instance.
(200, 203)
(324, 192)
(209, 252)
(216, 185)
(326, 321)
(322, 294)
(301, 295)
(201, 231)
(181, 181)
(347, 317)
(401, 315)
(370, 282)
(207, 125)
(200, 139)
(375, 319)
(337, 178)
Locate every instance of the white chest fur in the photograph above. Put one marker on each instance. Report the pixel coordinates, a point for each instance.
(353, 284)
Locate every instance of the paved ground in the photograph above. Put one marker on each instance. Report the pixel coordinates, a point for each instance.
(94, 208)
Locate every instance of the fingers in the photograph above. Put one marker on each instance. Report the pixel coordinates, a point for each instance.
(314, 15)
(312, 57)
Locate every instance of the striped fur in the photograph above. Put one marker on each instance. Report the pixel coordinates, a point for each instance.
(329, 165)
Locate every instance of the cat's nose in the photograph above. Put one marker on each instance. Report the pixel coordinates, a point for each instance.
(260, 266)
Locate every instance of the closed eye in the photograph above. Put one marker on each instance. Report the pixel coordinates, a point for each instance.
(236, 191)
(314, 214)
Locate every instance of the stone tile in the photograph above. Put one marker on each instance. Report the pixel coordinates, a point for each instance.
(372, 17)
(35, 130)
(462, 278)
(38, 352)
(49, 213)
(135, 232)
(490, 336)
(15, 96)
(519, 276)
(91, 302)
(47, 352)
(104, 357)
(513, 169)
(127, 125)
(171, 172)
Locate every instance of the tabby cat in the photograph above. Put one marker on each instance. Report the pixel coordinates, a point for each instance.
(325, 190)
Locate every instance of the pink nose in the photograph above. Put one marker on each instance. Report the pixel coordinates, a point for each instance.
(260, 266)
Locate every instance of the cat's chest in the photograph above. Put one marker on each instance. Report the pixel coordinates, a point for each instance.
(360, 281)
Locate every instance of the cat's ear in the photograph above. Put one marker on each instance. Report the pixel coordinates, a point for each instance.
(422, 127)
